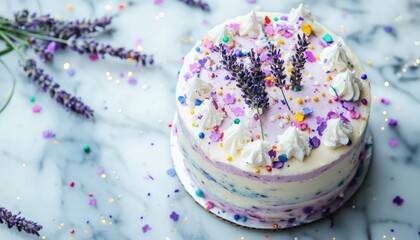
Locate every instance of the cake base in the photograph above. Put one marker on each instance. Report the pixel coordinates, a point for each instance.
(185, 178)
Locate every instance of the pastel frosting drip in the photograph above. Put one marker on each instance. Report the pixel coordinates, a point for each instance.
(337, 133)
(333, 57)
(196, 89)
(347, 86)
(208, 116)
(249, 25)
(256, 153)
(235, 137)
(294, 143)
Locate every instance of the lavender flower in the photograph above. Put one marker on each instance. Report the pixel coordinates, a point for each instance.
(197, 3)
(277, 68)
(298, 62)
(45, 82)
(19, 222)
(92, 47)
(250, 81)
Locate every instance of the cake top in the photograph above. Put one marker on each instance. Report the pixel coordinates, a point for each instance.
(270, 89)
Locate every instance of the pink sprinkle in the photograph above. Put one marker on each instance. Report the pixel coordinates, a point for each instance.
(132, 81)
(93, 56)
(310, 56)
(392, 142)
(101, 170)
(268, 29)
(208, 44)
(385, 101)
(36, 109)
(51, 47)
(157, 2)
(71, 184)
(92, 202)
(238, 111)
(210, 205)
(234, 26)
(354, 115)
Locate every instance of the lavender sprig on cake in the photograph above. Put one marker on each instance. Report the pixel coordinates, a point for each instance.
(20, 223)
(277, 69)
(197, 3)
(298, 62)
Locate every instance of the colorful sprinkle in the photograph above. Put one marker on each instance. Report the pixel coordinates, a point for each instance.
(225, 39)
(174, 216)
(199, 193)
(363, 76)
(283, 158)
(398, 201)
(197, 102)
(171, 172)
(299, 117)
(392, 142)
(236, 217)
(181, 99)
(328, 38)
(36, 109)
(86, 149)
(201, 135)
(236, 121)
(392, 122)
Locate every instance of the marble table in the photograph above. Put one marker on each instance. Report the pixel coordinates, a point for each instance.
(122, 185)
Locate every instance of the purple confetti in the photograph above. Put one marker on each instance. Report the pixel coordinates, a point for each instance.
(48, 134)
(392, 142)
(92, 202)
(146, 228)
(229, 99)
(385, 101)
(392, 122)
(215, 136)
(132, 81)
(314, 141)
(398, 200)
(238, 111)
(174, 216)
(310, 56)
(278, 164)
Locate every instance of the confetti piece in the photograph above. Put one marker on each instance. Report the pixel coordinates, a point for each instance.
(392, 122)
(93, 57)
(174, 216)
(310, 56)
(398, 201)
(71, 72)
(132, 81)
(92, 202)
(385, 101)
(171, 172)
(36, 109)
(392, 142)
(146, 228)
(48, 134)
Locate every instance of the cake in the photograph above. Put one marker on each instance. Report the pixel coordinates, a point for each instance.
(271, 128)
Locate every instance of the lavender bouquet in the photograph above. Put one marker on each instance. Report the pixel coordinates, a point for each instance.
(46, 35)
(20, 223)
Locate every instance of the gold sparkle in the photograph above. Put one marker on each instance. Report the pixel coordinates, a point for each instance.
(384, 236)
(382, 128)
(130, 73)
(103, 175)
(23, 164)
(109, 78)
(107, 74)
(162, 14)
(242, 237)
(117, 82)
(197, 225)
(66, 65)
(43, 237)
(167, 238)
(103, 221)
(70, 7)
(140, 48)
(18, 198)
(384, 112)
(120, 110)
(110, 200)
(386, 84)
(386, 119)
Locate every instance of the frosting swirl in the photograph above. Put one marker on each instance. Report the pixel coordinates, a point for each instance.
(294, 143)
(337, 133)
(303, 11)
(195, 89)
(256, 153)
(333, 58)
(217, 35)
(347, 86)
(210, 116)
(249, 25)
(235, 137)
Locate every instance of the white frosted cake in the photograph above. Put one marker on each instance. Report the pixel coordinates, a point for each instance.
(271, 123)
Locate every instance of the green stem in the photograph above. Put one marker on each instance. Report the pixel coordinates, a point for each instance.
(33, 34)
(7, 50)
(261, 126)
(284, 97)
(13, 86)
(10, 43)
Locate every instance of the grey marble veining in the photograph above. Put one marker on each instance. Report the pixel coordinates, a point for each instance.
(129, 137)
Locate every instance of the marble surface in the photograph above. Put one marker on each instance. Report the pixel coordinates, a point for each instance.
(129, 136)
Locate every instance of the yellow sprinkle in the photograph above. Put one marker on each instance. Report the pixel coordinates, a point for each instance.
(290, 97)
(342, 28)
(289, 69)
(221, 144)
(238, 99)
(278, 116)
(315, 98)
(219, 93)
(329, 78)
(299, 100)
(329, 100)
(257, 170)
(317, 56)
(363, 118)
(206, 53)
(270, 39)
(229, 158)
(70, 8)
(281, 41)
(192, 111)
(287, 117)
(369, 63)
(299, 117)
(307, 29)
(312, 47)
(323, 94)
(193, 124)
